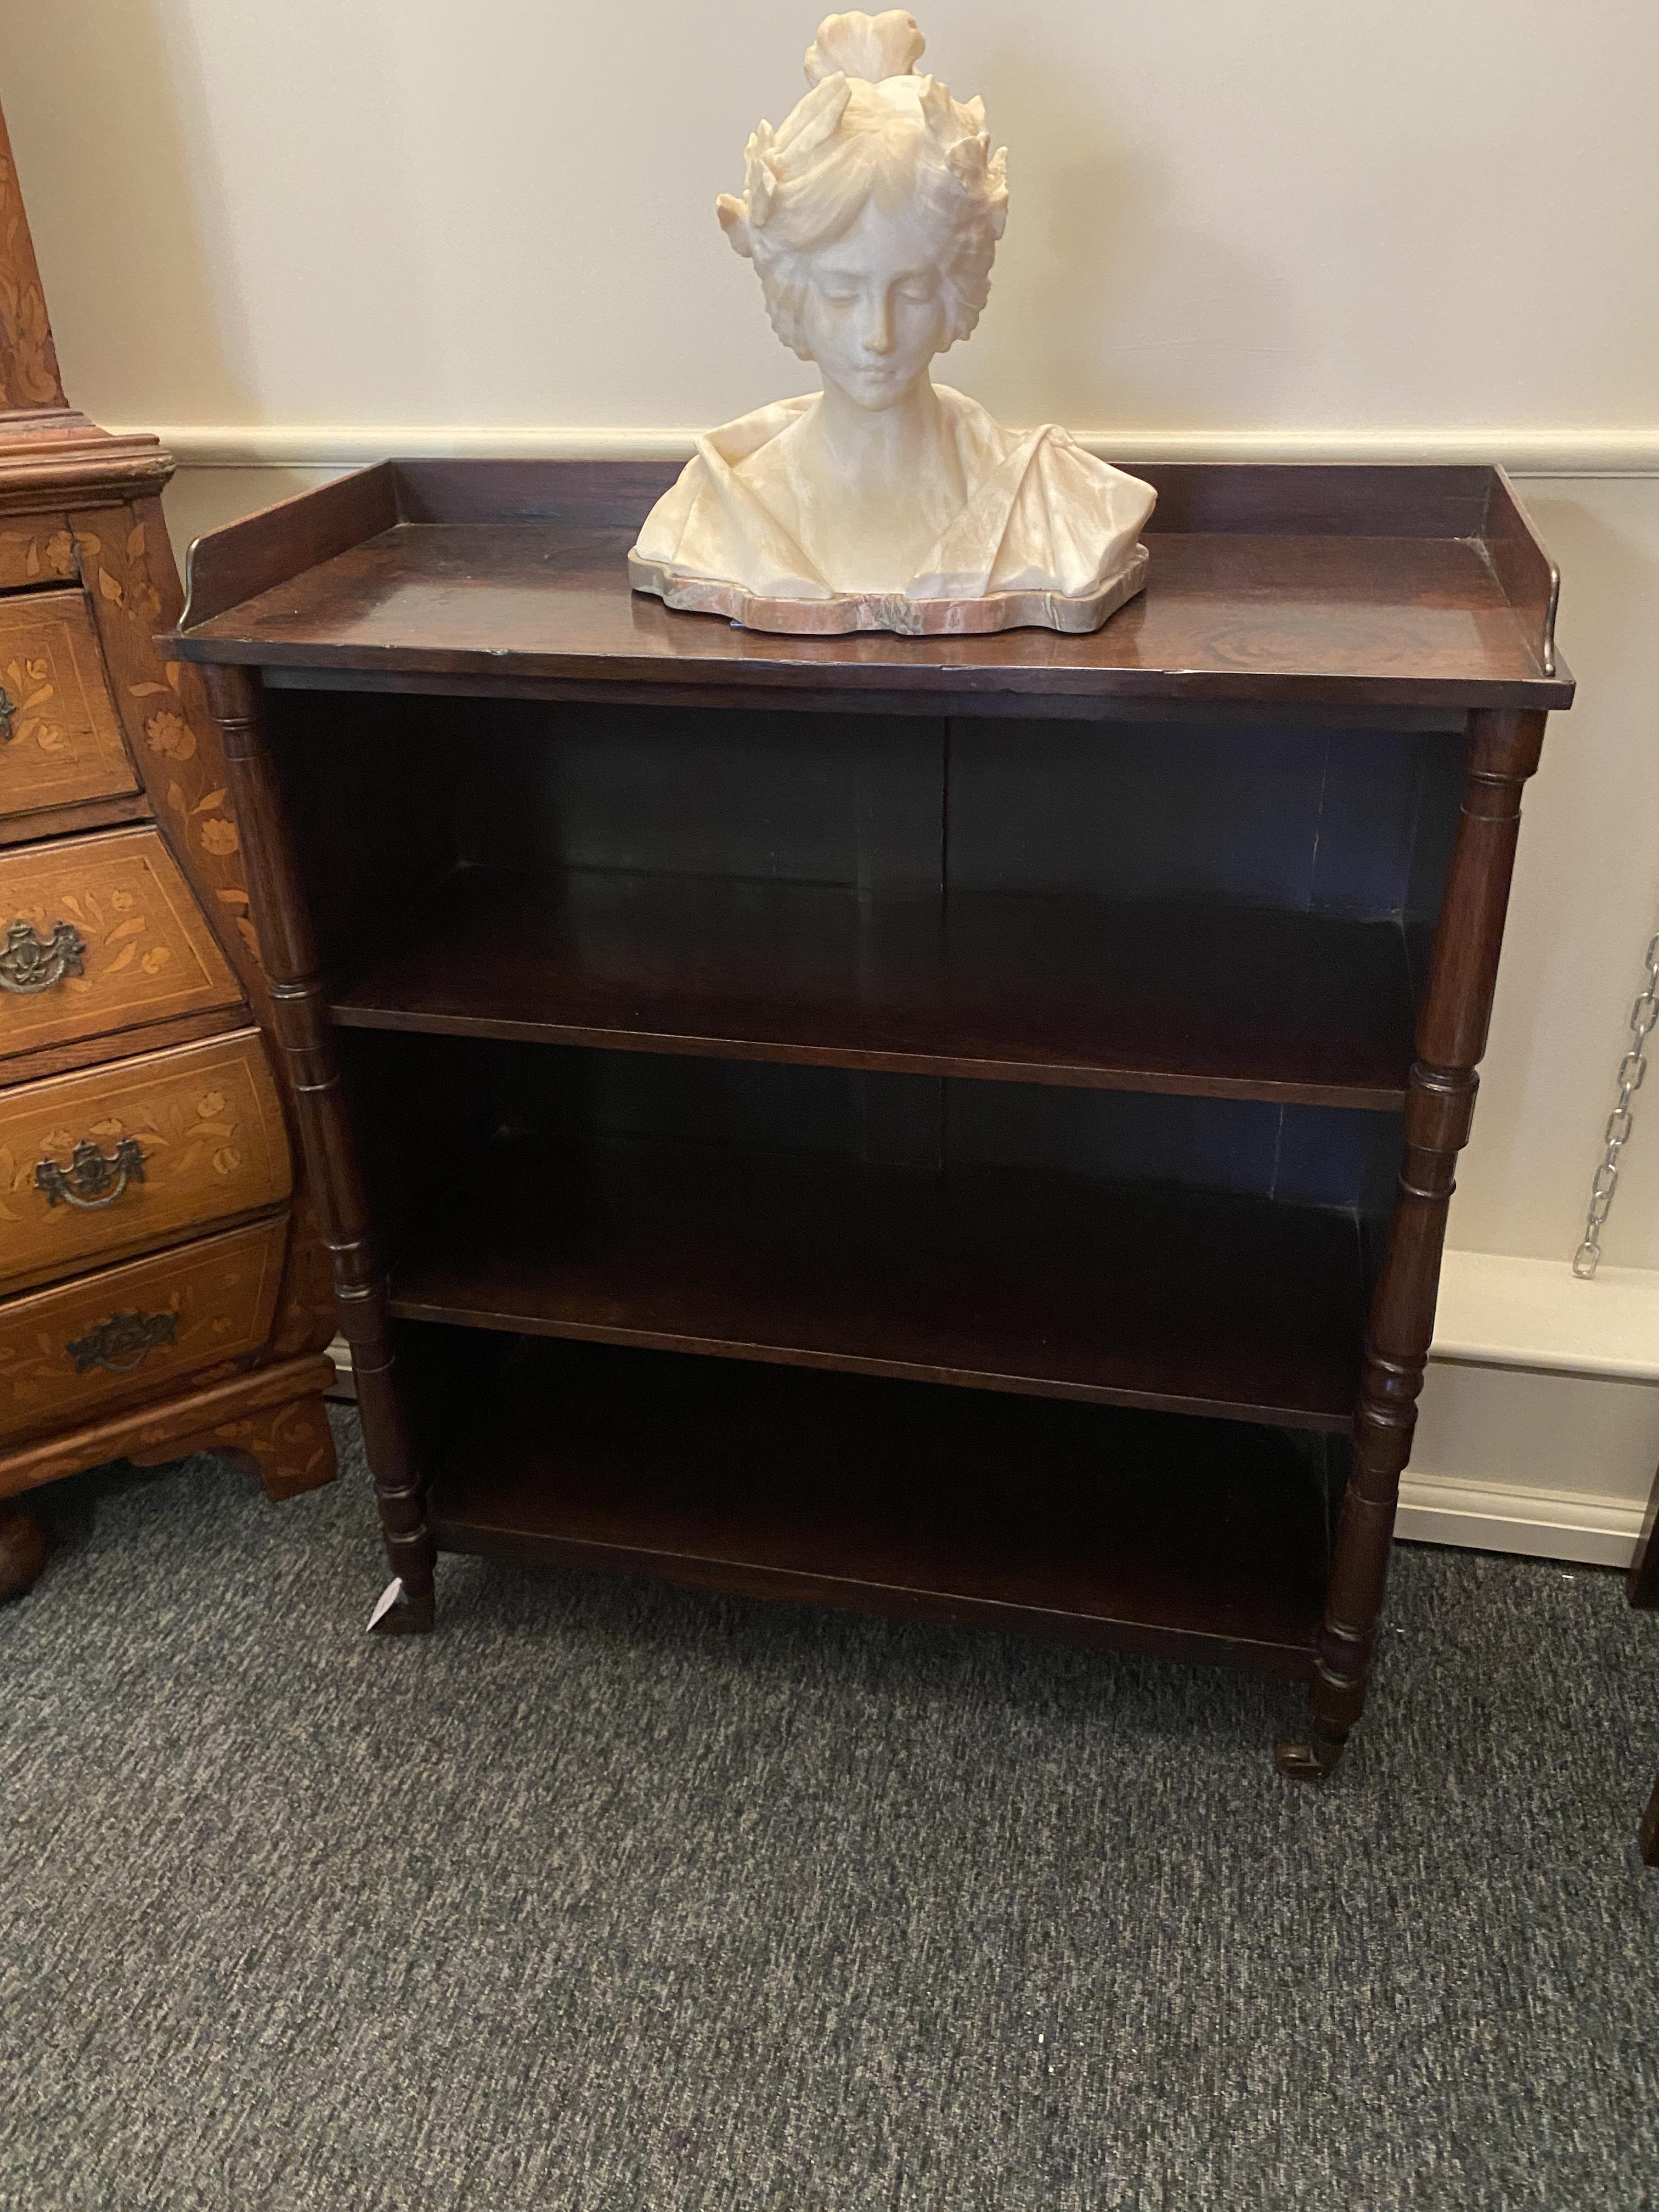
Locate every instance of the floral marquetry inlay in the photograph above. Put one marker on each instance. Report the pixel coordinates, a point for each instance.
(38, 555)
(60, 738)
(195, 1308)
(169, 727)
(28, 692)
(28, 359)
(146, 953)
(199, 1129)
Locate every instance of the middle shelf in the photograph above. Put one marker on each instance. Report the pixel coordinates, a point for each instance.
(1136, 1293)
(1185, 996)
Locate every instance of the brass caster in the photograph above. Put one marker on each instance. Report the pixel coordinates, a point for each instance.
(1307, 1762)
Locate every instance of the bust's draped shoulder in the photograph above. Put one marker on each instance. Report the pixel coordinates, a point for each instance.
(1041, 514)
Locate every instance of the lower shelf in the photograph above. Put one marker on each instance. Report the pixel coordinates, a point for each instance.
(997, 1279)
(1151, 1532)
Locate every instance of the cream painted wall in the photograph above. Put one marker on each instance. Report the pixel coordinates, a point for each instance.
(1585, 901)
(1370, 214)
(339, 225)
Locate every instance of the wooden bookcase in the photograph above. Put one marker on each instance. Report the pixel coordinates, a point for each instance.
(917, 1125)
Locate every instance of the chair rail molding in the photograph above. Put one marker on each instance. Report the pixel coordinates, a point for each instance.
(1543, 451)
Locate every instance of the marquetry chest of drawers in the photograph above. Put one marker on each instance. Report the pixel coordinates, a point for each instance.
(162, 1289)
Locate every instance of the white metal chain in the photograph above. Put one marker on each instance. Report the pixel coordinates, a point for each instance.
(1643, 1020)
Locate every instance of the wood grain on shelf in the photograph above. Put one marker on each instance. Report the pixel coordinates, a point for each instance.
(1283, 585)
(1120, 1529)
(1000, 1279)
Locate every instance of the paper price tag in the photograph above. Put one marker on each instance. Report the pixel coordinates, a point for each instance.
(389, 1598)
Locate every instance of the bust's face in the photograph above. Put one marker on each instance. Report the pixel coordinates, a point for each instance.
(874, 314)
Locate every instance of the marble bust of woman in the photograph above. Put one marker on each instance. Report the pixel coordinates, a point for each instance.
(885, 502)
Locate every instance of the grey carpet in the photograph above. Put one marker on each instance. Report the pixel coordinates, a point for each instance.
(612, 1896)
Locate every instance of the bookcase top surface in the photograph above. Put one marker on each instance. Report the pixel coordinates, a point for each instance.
(1342, 588)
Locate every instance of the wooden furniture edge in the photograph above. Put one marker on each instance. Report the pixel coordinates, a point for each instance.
(921, 688)
(1282, 1660)
(225, 567)
(89, 470)
(613, 494)
(1207, 497)
(305, 1043)
(228, 567)
(150, 1435)
(1503, 752)
(956, 706)
(1642, 1583)
(1529, 578)
(1642, 1588)
(76, 819)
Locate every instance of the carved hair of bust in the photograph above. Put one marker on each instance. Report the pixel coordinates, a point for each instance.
(870, 128)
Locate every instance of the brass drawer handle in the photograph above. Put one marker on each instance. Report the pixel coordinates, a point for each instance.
(7, 708)
(91, 1179)
(27, 965)
(121, 1343)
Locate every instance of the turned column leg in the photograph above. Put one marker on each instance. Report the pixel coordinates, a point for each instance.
(299, 1018)
(1451, 1036)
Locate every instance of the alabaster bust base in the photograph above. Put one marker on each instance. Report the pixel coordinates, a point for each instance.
(845, 612)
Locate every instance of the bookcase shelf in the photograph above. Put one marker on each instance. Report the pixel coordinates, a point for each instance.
(1205, 999)
(1000, 1279)
(1145, 1533)
(958, 1127)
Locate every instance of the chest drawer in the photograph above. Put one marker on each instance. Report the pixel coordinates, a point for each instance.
(128, 1332)
(122, 1158)
(98, 933)
(60, 739)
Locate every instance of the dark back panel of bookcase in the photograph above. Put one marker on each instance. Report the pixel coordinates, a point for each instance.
(1335, 820)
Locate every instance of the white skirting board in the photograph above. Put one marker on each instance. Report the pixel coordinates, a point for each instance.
(1534, 1524)
(1540, 1428)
